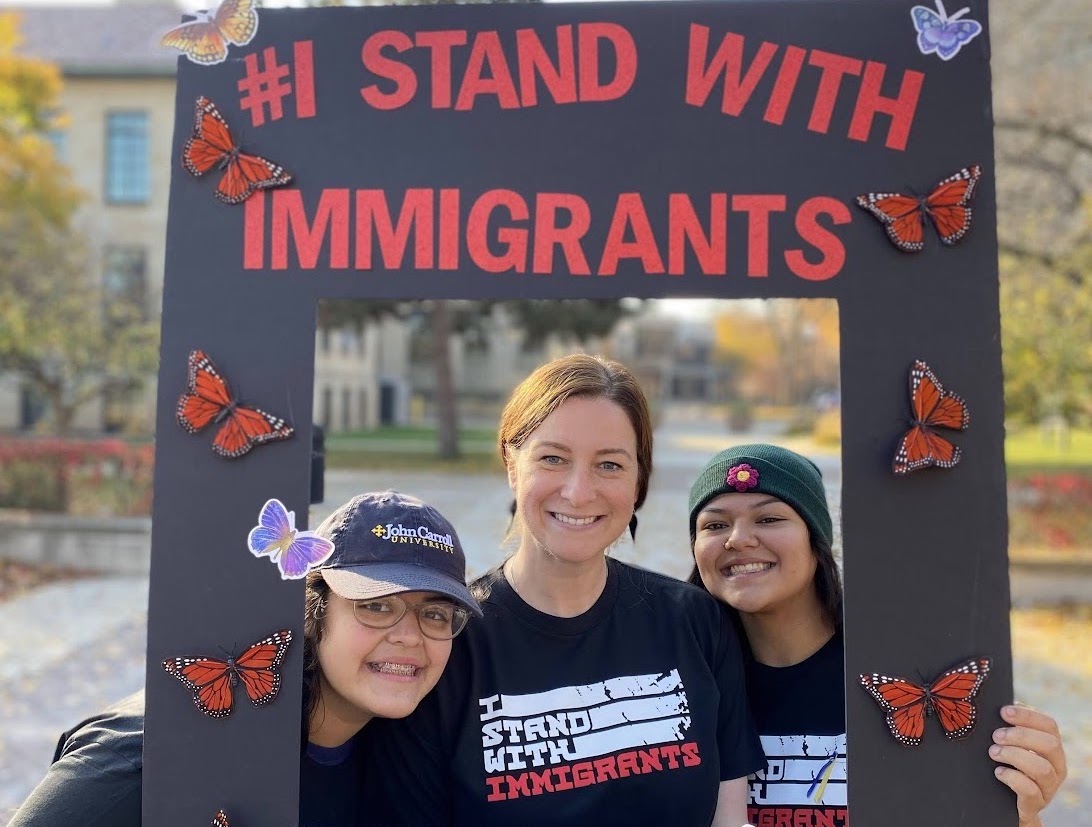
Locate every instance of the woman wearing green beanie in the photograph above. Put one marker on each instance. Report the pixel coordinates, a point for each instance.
(762, 539)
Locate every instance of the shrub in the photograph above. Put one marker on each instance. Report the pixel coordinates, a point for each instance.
(828, 428)
(91, 477)
(1051, 511)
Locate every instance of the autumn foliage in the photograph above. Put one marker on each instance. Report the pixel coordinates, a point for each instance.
(93, 477)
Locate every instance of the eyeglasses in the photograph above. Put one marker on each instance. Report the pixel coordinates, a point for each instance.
(439, 620)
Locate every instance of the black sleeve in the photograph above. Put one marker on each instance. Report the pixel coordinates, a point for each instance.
(740, 748)
(94, 783)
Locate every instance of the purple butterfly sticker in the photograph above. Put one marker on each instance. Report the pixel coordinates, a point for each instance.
(943, 34)
(275, 537)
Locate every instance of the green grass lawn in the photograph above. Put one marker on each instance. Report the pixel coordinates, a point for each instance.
(403, 433)
(412, 449)
(470, 462)
(1027, 451)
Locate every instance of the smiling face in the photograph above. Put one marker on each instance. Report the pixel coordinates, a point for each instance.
(753, 552)
(384, 673)
(575, 480)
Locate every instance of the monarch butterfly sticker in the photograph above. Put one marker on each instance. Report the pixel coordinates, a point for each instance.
(208, 400)
(213, 680)
(212, 147)
(205, 40)
(947, 205)
(932, 408)
(275, 536)
(948, 697)
(220, 819)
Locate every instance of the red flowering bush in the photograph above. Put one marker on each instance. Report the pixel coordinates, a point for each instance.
(1051, 512)
(95, 477)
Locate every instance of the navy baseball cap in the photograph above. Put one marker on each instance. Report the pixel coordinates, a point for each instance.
(386, 542)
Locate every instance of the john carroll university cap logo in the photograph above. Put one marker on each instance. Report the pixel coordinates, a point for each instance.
(421, 535)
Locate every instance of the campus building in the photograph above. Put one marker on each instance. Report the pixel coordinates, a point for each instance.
(118, 103)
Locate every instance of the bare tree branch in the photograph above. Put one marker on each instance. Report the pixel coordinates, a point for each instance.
(1065, 134)
(1010, 249)
(1061, 176)
(1061, 265)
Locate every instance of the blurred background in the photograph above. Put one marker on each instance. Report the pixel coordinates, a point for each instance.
(407, 393)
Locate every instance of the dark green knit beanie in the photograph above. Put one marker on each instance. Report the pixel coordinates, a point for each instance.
(766, 469)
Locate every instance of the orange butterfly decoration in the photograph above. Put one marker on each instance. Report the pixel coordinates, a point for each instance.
(208, 400)
(212, 680)
(903, 216)
(949, 697)
(220, 819)
(212, 147)
(933, 408)
(205, 40)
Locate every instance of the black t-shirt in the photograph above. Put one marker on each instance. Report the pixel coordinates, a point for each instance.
(631, 713)
(330, 786)
(800, 713)
(94, 780)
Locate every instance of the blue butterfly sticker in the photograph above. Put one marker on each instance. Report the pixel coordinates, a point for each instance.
(943, 34)
(275, 537)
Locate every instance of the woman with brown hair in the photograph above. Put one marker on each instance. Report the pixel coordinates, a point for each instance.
(592, 692)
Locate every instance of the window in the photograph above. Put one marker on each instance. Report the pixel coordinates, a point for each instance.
(327, 407)
(127, 158)
(346, 409)
(125, 302)
(125, 283)
(347, 341)
(33, 407)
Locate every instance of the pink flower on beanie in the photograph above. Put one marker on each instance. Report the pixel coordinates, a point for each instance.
(742, 477)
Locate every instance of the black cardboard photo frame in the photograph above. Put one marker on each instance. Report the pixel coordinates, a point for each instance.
(638, 171)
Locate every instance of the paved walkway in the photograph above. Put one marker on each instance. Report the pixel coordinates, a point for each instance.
(52, 675)
(91, 652)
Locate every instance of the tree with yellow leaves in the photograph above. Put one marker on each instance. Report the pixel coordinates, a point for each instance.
(786, 349)
(58, 331)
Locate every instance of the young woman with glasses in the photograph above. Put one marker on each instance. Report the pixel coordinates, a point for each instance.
(379, 618)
